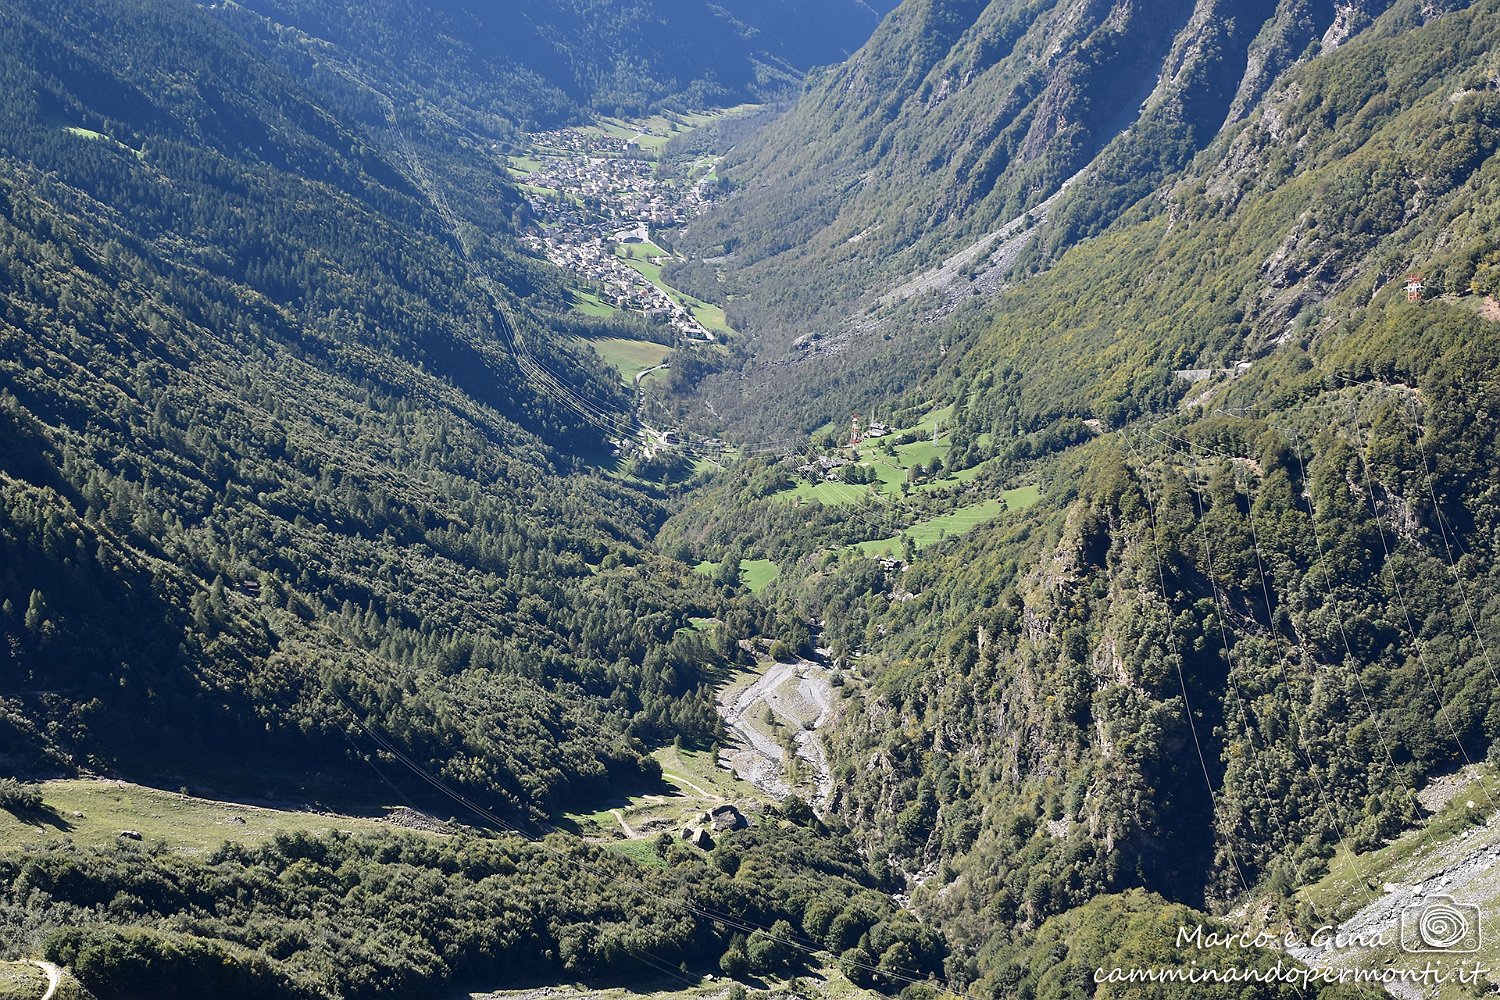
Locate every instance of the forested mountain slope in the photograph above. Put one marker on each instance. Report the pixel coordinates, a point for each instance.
(958, 124)
(271, 469)
(1253, 614)
(541, 62)
(305, 491)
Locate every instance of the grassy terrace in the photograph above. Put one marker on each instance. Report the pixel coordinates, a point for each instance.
(629, 357)
(93, 812)
(591, 305)
(629, 823)
(893, 463)
(652, 134)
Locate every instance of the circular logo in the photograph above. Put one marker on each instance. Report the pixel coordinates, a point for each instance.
(1442, 926)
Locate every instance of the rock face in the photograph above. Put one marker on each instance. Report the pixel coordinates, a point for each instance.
(726, 817)
(698, 837)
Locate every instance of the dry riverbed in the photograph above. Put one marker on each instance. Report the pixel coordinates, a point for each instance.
(776, 712)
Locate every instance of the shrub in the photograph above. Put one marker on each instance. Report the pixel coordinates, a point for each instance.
(18, 796)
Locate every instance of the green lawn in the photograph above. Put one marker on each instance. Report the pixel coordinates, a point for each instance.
(923, 533)
(696, 772)
(591, 305)
(642, 852)
(829, 494)
(701, 465)
(182, 822)
(636, 254)
(758, 573)
(922, 452)
(959, 478)
(629, 356)
(755, 574)
(955, 522)
(1022, 497)
(943, 416)
(692, 783)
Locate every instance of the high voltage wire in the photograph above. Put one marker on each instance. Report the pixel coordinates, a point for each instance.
(1187, 701)
(1286, 679)
(1415, 638)
(1350, 658)
(1417, 644)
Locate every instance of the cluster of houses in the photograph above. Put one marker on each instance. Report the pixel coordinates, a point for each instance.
(608, 196)
(825, 466)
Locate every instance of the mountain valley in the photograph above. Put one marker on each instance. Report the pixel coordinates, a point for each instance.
(798, 500)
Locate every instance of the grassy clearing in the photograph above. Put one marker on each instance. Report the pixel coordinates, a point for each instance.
(829, 494)
(638, 255)
(20, 980)
(697, 773)
(1022, 497)
(90, 134)
(924, 533)
(921, 453)
(629, 357)
(652, 134)
(182, 822)
(523, 164)
(943, 415)
(755, 574)
(955, 522)
(959, 478)
(642, 852)
(692, 783)
(590, 304)
(701, 466)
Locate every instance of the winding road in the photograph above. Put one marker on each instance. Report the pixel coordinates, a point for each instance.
(54, 976)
